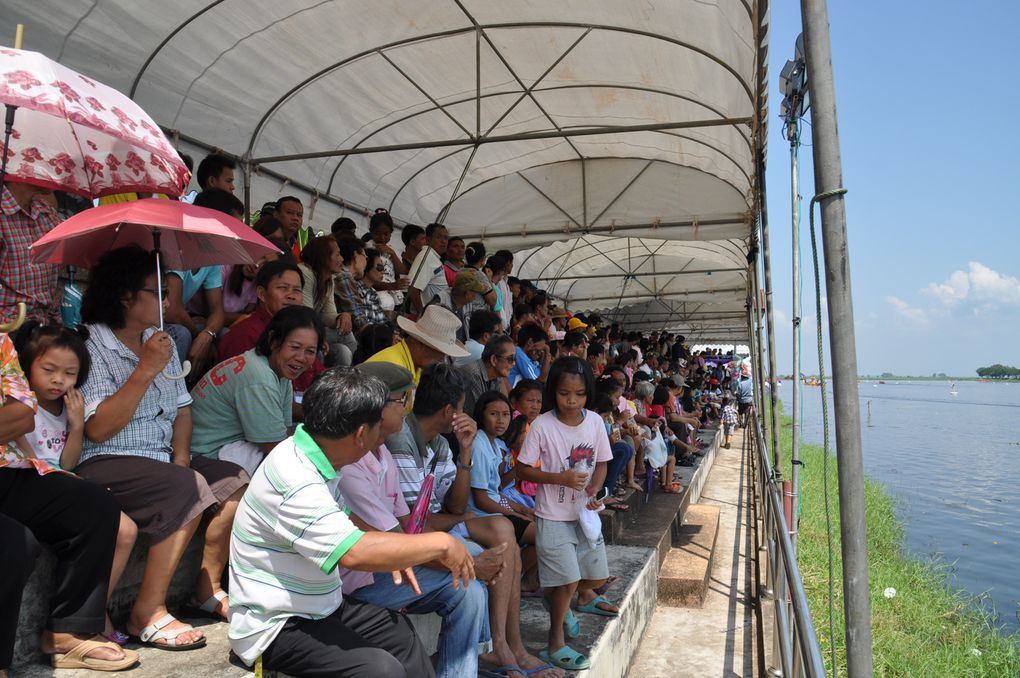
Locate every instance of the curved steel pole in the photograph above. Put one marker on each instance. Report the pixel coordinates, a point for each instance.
(842, 344)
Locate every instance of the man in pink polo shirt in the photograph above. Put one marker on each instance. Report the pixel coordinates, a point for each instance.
(369, 487)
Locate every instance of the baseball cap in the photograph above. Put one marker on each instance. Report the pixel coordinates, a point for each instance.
(466, 280)
(576, 324)
(396, 378)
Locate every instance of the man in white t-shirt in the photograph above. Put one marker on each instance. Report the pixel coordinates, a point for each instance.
(428, 280)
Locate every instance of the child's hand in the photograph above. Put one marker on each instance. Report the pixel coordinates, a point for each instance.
(74, 405)
(593, 504)
(574, 478)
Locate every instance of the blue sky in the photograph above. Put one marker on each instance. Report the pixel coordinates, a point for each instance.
(927, 97)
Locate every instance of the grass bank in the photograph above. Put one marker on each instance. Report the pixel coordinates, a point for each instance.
(927, 628)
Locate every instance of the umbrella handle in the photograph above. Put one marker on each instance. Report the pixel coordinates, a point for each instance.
(185, 371)
(17, 322)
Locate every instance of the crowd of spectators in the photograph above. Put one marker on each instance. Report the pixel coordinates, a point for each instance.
(480, 428)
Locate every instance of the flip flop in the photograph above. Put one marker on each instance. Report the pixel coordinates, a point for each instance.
(115, 636)
(566, 658)
(593, 608)
(502, 671)
(78, 657)
(601, 591)
(538, 669)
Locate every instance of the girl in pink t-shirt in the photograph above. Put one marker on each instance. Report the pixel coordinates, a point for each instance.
(570, 442)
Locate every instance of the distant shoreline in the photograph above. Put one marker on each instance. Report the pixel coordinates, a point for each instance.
(903, 378)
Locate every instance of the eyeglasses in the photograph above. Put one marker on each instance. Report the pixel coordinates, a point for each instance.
(402, 400)
(510, 359)
(152, 290)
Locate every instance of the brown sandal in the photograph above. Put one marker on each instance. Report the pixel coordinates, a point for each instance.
(78, 657)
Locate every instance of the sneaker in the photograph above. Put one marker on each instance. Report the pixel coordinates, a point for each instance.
(686, 461)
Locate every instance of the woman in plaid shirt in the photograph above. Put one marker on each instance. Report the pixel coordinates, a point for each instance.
(354, 282)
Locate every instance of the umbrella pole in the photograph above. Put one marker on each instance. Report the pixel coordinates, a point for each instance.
(8, 129)
(159, 276)
(186, 365)
(19, 39)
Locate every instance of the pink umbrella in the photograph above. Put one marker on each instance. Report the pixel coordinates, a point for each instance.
(77, 135)
(420, 510)
(183, 236)
(188, 236)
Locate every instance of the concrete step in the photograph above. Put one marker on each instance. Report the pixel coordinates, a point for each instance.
(655, 523)
(608, 642)
(684, 574)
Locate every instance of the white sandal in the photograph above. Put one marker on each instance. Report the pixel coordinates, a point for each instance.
(210, 608)
(153, 632)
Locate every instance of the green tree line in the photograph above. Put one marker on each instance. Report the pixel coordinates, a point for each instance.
(998, 371)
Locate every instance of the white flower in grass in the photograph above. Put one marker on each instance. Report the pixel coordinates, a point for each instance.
(890, 592)
(975, 652)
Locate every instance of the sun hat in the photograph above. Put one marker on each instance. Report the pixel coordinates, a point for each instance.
(397, 379)
(467, 280)
(437, 327)
(576, 324)
(558, 312)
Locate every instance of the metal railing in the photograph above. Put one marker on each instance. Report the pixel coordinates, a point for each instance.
(794, 643)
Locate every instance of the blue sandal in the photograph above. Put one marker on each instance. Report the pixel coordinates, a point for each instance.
(566, 658)
(571, 626)
(593, 608)
(502, 671)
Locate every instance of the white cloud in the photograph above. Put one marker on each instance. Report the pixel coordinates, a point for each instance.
(978, 289)
(907, 314)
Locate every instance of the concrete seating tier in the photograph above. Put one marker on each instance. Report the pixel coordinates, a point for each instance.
(638, 541)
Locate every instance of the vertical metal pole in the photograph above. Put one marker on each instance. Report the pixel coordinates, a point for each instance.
(759, 358)
(842, 345)
(247, 191)
(795, 433)
(770, 330)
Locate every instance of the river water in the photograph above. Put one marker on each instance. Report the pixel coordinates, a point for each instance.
(953, 462)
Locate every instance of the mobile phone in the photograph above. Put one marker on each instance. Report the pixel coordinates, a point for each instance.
(602, 494)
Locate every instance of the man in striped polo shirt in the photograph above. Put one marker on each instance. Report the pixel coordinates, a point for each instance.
(289, 536)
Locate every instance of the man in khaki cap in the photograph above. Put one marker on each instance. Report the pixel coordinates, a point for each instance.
(467, 288)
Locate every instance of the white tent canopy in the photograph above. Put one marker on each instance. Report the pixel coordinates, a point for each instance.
(521, 122)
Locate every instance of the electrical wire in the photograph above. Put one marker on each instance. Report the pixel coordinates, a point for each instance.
(825, 420)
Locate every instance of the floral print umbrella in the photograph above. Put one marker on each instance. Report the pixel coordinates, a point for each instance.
(77, 135)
